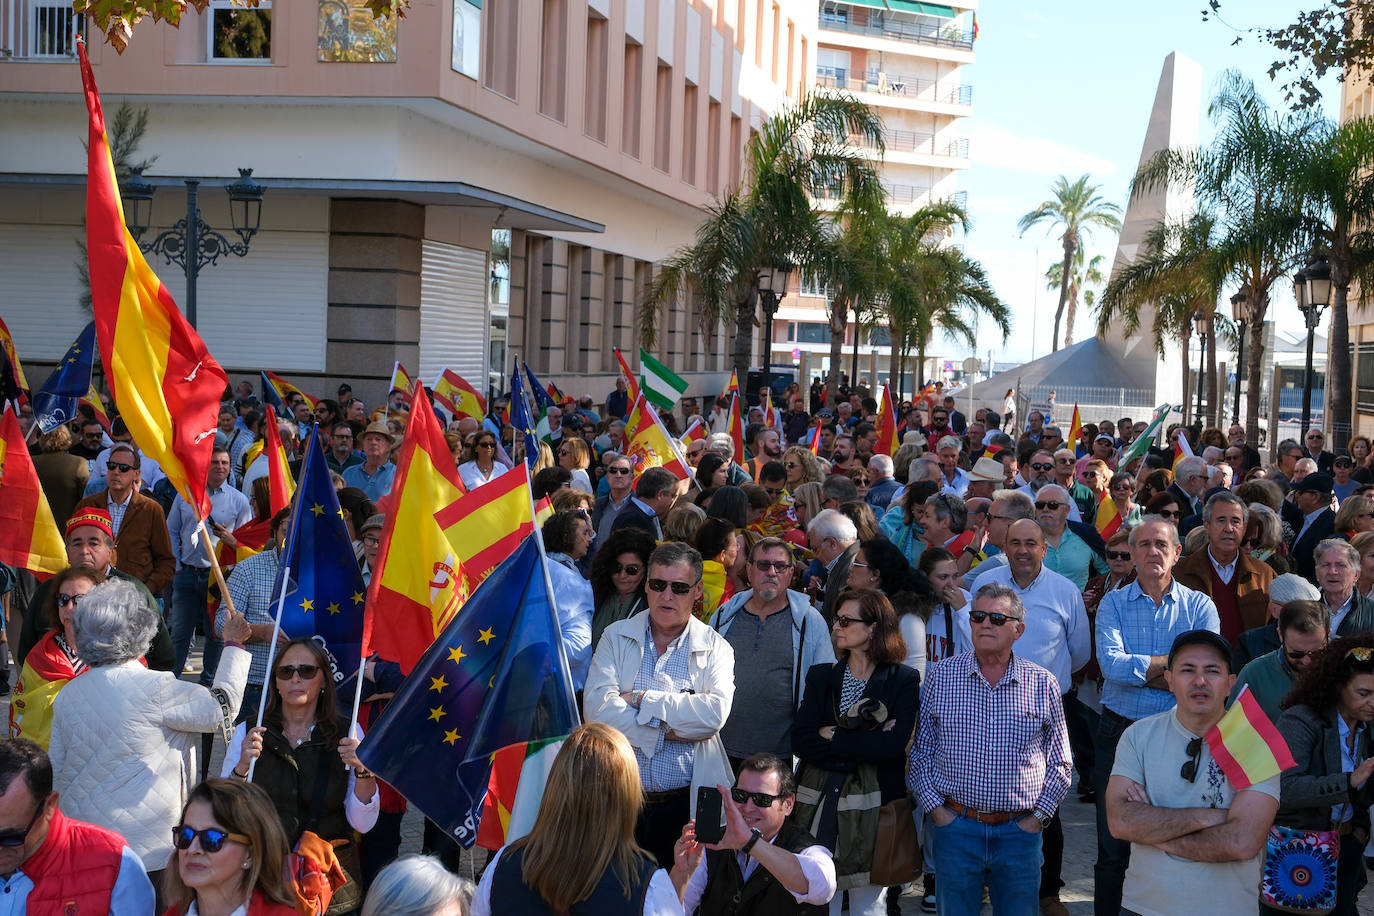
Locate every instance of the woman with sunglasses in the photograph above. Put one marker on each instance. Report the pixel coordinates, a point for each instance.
(801, 467)
(575, 455)
(307, 763)
(1122, 493)
(880, 566)
(1327, 724)
(483, 467)
(617, 577)
(1167, 507)
(53, 661)
(851, 734)
(231, 855)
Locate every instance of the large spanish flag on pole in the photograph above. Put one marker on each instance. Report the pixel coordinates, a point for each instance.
(648, 444)
(888, 440)
(281, 485)
(164, 381)
(29, 537)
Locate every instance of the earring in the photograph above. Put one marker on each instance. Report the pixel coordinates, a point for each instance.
(247, 863)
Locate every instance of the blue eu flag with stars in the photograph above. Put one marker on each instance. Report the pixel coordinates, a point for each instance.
(55, 403)
(521, 420)
(325, 593)
(495, 677)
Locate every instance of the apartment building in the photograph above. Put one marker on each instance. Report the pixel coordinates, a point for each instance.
(474, 181)
(1357, 101)
(904, 58)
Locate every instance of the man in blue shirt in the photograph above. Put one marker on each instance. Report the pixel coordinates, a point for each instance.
(375, 474)
(1136, 626)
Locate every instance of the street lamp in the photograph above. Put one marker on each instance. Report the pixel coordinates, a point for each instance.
(772, 283)
(1200, 323)
(1240, 312)
(191, 244)
(1312, 287)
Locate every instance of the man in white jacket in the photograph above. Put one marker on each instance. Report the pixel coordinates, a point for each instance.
(666, 680)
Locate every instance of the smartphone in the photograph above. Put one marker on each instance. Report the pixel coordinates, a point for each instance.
(710, 815)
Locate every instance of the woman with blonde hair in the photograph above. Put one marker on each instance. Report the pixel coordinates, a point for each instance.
(802, 467)
(1355, 516)
(230, 854)
(1364, 543)
(561, 866)
(575, 455)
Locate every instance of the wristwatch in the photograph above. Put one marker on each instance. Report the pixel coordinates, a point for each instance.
(754, 836)
(1044, 819)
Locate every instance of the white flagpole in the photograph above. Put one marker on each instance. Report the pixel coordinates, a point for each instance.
(553, 599)
(272, 650)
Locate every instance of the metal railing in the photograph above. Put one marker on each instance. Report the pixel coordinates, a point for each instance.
(900, 194)
(941, 36)
(38, 30)
(1095, 402)
(893, 85)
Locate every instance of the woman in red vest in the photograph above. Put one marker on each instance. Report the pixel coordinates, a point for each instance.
(53, 661)
(231, 854)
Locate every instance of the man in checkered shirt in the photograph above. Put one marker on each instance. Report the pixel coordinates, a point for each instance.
(991, 763)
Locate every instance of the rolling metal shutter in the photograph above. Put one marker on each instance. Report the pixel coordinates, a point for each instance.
(454, 324)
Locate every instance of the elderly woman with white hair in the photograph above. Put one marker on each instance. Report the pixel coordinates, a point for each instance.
(418, 886)
(124, 738)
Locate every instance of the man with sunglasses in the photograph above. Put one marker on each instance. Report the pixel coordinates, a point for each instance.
(1314, 447)
(620, 480)
(653, 497)
(667, 682)
(137, 521)
(150, 472)
(1084, 500)
(764, 863)
(990, 763)
(91, 441)
(1136, 626)
(1303, 627)
(50, 863)
(1194, 836)
(777, 637)
(1074, 549)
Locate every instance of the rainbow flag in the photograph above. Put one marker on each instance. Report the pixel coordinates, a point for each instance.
(457, 394)
(29, 536)
(735, 428)
(515, 790)
(888, 440)
(1075, 429)
(164, 381)
(649, 445)
(282, 387)
(487, 525)
(1109, 519)
(1246, 745)
(631, 385)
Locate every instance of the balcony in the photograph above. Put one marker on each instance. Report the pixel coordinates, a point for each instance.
(913, 141)
(894, 86)
(947, 36)
(40, 30)
(898, 195)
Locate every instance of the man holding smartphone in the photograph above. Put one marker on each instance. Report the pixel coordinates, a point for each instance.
(763, 861)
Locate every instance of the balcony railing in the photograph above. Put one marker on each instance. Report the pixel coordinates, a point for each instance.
(908, 87)
(940, 36)
(39, 30)
(900, 195)
(912, 141)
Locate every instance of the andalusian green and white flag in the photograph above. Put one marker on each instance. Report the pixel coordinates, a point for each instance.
(662, 387)
(1147, 438)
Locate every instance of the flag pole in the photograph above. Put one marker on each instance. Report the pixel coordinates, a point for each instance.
(553, 599)
(214, 565)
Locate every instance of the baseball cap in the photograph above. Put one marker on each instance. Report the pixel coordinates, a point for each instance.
(1314, 483)
(1201, 638)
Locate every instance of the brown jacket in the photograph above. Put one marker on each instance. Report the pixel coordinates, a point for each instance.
(144, 545)
(1252, 583)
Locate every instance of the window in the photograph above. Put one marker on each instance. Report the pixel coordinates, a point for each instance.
(55, 28)
(1364, 378)
(713, 146)
(813, 332)
(631, 103)
(834, 15)
(240, 34)
(689, 134)
(736, 149)
(880, 337)
(500, 55)
(663, 117)
(811, 286)
(594, 98)
(553, 60)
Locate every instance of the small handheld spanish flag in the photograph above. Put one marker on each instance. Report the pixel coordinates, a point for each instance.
(813, 440)
(1246, 745)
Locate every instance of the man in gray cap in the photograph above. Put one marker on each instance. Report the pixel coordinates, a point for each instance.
(1264, 639)
(371, 536)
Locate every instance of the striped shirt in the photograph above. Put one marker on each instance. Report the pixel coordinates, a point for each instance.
(253, 587)
(670, 767)
(1002, 747)
(117, 510)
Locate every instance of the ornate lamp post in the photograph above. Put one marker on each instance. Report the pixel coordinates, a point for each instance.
(1312, 286)
(1200, 323)
(191, 244)
(1240, 312)
(772, 283)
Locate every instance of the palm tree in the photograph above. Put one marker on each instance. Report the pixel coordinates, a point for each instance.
(802, 153)
(1334, 174)
(1080, 277)
(1076, 207)
(1180, 271)
(1244, 177)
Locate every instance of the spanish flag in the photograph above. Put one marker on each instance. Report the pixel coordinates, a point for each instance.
(695, 433)
(487, 525)
(282, 387)
(164, 381)
(731, 387)
(1109, 519)
(1075, 429)
(735, 428)
(888, 440)
(1181, 448)
(813, 439)
(631, 385)
(418, 584)
(401, 381)
(454, 392)
(648, 444)
(97, 405)
(1246, 745)
(29, 536)
(12, 354)
(278, 470)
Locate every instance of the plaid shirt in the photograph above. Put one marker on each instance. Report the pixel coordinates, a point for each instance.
(670, 767)
(252, 584)
(992, 748)
(117, 510)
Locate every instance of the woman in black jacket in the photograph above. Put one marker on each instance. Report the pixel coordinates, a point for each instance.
(851, 734)
(1327, 727)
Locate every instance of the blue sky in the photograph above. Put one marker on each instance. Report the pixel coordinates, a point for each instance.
(1065, 87)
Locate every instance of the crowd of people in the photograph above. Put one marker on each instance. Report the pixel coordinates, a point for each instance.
(835, 650)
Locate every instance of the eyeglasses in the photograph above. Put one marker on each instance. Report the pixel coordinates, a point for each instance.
(64, 600)
(119, 466)
(14, 838)
(1189, 769)
(371, 540)
(679, 588)
(777, 566)
(761, 799)
(211, 839)
(996, 619)
(629, 569)
(1053, 505)
(1314, 438)
(486, 445)
(1121, 488)
(1118, 554)
(791, 465)
(617, 470)
(1041, 466)
(843, 622)
(287, 672)
(1167, 513)
(1089, 475)
(1297, 655)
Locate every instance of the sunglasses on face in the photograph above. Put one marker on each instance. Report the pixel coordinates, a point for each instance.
(14, 838)
(1041, 466)
(1297, 655)
(64, 600)
(1170, 513)
(119, 466)
(1189, 769)
(996, 619)
(679, 588)
(629, 569)
(1118, 555)
(1122, 488)
(212, 839)
(617, 471)
(1051, 504)
(777, 566)
(760, 799)
(485, 445)
(287, 672)
(843, 622)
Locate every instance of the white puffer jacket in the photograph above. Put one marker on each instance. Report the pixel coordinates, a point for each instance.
(125, 747)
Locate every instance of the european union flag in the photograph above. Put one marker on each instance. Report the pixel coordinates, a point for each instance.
(325, 594)
(495, 677)
(55, 403)
(520, 418)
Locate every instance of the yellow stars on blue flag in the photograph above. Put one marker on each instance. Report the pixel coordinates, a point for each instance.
(485, 636)
(308, 605)
(437, 683)
(457, 654)
(451, 736)
(317, 509)
(358, 597)
(436, 713)
(333, 607)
